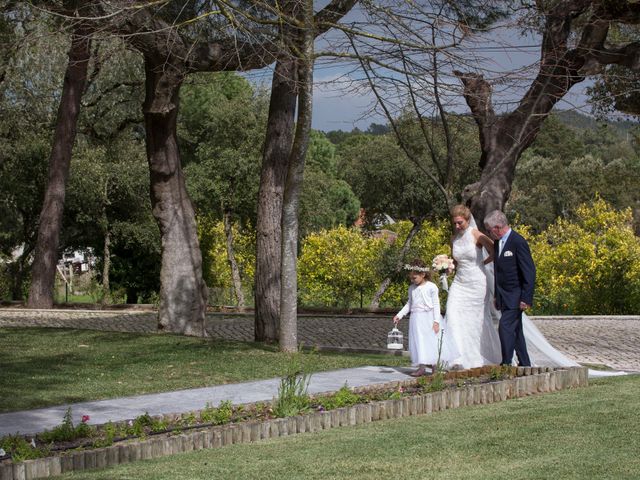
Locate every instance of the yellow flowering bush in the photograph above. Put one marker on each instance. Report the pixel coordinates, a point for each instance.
(215, 263)
(590, 265)
(337, 266)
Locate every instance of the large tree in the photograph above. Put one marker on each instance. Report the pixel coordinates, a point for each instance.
(43, 270)
(175, 40)
(575, 44)
(27, 116)
(417, 72)
(233, 40)
(410, 77)
(283, 160)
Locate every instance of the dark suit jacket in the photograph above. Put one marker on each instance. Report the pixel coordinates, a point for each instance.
(515, 273)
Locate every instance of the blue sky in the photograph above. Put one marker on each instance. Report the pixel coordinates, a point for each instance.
(500, 52)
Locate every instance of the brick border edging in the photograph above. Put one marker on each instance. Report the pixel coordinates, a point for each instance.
(530, 381)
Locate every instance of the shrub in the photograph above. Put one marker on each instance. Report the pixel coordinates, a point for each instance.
(590, 265)
(20, 449)
(216, 269)
(342, 398)
(432, 239)
(337, 266)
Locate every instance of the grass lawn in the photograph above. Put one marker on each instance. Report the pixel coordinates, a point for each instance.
(575, 434)
(40, 366)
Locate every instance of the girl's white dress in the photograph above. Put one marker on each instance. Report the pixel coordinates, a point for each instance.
(424, 306)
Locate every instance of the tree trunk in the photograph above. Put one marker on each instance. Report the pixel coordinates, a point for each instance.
(183, 293)
(231, 256)
(417, 225)
(277, 149)
(106, 268)
(293, 187)
(46, 253)
(16, 270)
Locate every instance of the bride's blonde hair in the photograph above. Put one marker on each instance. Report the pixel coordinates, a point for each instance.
(461, 211)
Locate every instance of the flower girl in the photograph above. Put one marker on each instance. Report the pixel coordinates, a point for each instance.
(427, 344)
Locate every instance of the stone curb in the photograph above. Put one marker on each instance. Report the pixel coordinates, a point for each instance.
(529, 381)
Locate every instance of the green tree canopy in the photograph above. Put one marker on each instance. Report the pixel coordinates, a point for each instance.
(326, 201)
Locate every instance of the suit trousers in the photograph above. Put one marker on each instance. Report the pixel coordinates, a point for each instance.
(512, 338)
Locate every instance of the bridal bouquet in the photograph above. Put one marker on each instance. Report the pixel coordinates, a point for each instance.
(444, 266)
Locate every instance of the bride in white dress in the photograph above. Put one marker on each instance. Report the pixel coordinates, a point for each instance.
(470, 315)
(468, 312)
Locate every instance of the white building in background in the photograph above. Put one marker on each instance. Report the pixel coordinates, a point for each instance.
(81, 261)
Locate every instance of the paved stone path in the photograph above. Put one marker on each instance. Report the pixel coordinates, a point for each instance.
(182, 401)
(611, 341)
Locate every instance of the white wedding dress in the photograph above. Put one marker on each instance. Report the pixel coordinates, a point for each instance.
(472, 320)
(468, 317)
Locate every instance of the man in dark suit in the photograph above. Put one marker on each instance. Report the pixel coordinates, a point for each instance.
(515, 276)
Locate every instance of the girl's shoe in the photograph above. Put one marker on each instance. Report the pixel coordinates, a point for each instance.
(418, 373)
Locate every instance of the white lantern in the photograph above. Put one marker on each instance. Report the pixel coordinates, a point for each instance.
(394, 339)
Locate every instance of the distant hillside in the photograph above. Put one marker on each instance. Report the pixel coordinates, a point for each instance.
(570, 118)
(580, 121)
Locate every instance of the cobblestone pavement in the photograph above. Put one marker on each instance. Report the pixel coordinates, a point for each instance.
(611, 341)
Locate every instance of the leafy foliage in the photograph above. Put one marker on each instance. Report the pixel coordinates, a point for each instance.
(590, 265)
(66, 431)
(216, 269)
(217, 415)
(20, 449)
(337, 266)
(221, 131)
(326, 201)
(557, 175)
(382, 177)
(344, 397)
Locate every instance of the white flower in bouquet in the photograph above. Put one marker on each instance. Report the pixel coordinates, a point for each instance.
(443, 264)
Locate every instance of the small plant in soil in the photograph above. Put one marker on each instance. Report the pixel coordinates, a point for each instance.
(344, 397)
(22, 449)
(67, 431)
(217, 416)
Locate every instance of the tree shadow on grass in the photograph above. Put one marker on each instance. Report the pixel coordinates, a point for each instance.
(44, 366)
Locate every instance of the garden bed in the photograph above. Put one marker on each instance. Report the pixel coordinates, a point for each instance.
(152, 437)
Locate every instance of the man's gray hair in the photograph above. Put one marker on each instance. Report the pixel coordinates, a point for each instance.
(496, 219)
